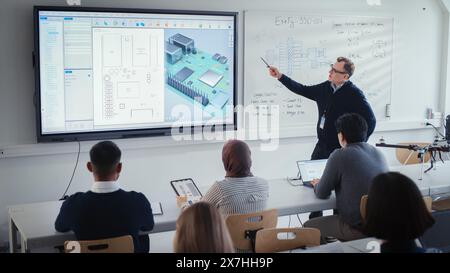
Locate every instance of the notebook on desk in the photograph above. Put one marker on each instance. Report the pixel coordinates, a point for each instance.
(308, 170)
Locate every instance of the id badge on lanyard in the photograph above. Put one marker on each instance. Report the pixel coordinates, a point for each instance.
(322, 122)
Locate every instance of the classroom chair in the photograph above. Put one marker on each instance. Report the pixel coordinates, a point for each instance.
(243, 227)
(122, 244)
(281, 239)
(442, 204)
(407, 157)
(362, 207)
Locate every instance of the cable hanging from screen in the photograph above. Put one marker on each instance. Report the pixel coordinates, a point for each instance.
(64, 196)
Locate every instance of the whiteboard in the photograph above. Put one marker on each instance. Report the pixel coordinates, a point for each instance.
(303, 47)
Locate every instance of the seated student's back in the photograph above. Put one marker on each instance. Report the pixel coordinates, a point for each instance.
(106, 211)
(237, 195)
(240, 191)
(350, 170)
(93, 216)
(350, 174)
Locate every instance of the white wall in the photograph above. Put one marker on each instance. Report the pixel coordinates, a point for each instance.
(25, 179)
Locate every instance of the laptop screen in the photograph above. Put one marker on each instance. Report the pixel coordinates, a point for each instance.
(311, 169)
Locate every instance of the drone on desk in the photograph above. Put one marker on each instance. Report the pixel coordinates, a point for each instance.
(435, 149)
(438, 147)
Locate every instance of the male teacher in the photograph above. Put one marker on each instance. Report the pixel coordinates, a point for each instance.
(334, 97)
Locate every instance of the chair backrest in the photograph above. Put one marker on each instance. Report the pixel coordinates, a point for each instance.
(441, 204)
(238, 224)
(281, 239)
(362, 207)
(428, 203)
(123, 244)
(406, 157)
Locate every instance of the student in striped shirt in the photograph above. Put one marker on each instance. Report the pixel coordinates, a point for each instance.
(239, 192)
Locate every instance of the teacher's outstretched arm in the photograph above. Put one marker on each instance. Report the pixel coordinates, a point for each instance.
(310, 92)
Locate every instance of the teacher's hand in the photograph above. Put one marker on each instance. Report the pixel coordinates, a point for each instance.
(274, 72)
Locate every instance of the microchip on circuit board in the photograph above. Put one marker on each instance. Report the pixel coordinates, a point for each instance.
(211, 78)
(183, 74)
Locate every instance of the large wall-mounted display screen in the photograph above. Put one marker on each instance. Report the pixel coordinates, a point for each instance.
(108, 73)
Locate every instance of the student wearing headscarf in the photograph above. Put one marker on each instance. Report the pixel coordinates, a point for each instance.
(239, 192)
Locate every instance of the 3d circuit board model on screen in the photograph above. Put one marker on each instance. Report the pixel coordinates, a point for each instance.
(197, 74)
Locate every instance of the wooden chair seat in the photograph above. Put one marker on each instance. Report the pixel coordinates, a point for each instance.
(122, 244)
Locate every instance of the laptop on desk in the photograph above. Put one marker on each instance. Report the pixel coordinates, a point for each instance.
(308, 170)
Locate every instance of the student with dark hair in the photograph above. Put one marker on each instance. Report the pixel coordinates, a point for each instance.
(349, 172)
(396, 213)
(201, 229)
(106, 210)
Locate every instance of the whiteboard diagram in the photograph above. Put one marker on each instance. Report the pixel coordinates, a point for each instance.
(128, 69)
(303, 47)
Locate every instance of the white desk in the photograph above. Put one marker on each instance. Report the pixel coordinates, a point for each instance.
(434, 182)
(35, 222)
